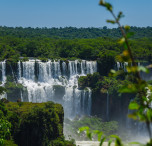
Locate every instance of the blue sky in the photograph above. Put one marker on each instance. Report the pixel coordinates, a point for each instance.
(76, 13)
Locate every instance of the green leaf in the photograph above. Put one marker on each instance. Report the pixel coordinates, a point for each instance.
(89, 135)
(130, 88)
(83, 129)
(109, 142)
(114, 136)
(130, 34)
(118, 140)
(132, 69)
(135, 143)
(108, 6)
(99, 133)
(102, 140)
(111, 21)
(105, 4)
(132, 116)
(121, 41)
(127, 27)
(120, 15)
(149, 114)
(133, 106)
(144, 69)
(102, 3)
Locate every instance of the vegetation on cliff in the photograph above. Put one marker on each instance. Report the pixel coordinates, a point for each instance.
(95, 123)
(34, 123)
(101, 84)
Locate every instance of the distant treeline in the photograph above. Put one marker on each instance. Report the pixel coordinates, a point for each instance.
(72, 32)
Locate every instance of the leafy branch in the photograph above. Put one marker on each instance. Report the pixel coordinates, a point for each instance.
(142, 110)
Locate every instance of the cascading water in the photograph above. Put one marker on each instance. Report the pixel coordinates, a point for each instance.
(3, 71)
(107, 114)
(135, 128)
(144, 76)
(3, 76)
(57, 81)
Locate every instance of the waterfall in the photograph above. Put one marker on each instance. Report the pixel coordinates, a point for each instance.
(122, 65)
(58, 81)
(144, 76)
(19, 70)
(89, 101)
(22, 97)
(3, 77)
(118, 65)
(3, 71)
(107, 113)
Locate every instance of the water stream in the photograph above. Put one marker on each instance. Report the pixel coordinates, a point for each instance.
(55, 81)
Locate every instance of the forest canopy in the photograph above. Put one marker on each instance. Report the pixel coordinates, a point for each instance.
(72, 32)
(56, 43)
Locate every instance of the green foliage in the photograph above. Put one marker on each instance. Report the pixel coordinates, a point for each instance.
(32, 123)
(141, 106)
(24, 59)
(69, 32)
(9, 143)
(43, 59)
(3, 110)
(2, 90)
(95, 48)
(95, 125)
(101, 84)
(106, 60)
(89, 81)
(12, 88)
(4, 131)
(62, 142)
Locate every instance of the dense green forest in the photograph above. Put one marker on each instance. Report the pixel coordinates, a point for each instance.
(72, 32)
(32, 124)
(18, 44)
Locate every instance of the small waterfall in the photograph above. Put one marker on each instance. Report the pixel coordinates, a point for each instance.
(118, 65)
(125, 66)
(83, 67)
(29, 70)
(3, 71)
(3, 77)
(89, 101)
(121, 65)
(3, 96)
(19, 70)
(22, 97)
(144, 76)
(64, 69)
(107, 113)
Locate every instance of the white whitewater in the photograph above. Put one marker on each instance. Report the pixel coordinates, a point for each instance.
(3, 76)
(45, 80)
(3, 71)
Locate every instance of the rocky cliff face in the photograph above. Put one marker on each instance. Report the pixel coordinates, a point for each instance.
(111, 107)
